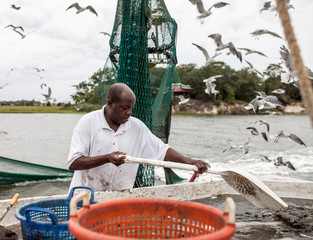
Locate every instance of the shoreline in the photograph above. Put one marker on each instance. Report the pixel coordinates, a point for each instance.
(196, 107)
(231, 108)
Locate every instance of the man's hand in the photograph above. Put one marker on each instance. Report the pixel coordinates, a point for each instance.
(117, 158)
(202, 166)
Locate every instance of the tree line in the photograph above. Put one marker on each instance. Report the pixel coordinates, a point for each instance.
(234, 85)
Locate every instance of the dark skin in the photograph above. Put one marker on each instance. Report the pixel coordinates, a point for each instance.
(117, 112)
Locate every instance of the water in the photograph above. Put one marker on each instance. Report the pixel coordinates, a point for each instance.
(45, 139)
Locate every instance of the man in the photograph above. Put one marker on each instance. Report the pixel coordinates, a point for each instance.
(102, 138)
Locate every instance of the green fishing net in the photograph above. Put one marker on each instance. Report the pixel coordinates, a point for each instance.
(143, 39)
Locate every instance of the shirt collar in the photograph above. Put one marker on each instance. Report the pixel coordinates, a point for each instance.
(104, 123)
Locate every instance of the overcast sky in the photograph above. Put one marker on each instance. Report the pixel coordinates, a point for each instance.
(70, 49)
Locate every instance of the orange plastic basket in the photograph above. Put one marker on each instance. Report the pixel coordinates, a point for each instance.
(148, 218)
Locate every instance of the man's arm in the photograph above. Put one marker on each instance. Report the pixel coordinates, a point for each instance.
(83, 162)
(174, 156)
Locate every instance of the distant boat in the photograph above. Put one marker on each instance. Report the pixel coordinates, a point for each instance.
(15, 171)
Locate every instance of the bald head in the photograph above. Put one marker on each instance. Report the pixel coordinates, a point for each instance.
(119, 90)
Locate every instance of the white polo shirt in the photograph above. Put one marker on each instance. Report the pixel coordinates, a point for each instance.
(92, 136)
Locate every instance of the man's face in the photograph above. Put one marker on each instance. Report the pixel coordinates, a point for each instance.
(121, 110)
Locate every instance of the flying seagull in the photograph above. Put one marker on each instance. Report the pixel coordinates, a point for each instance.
(205, 13)
(291, 75)
(77, 108)
(245, 147)
(12, 69)
(272, 7)
(81, 9)
(14, 28)
(261, 122)
(48, 95)
(250, 51)
(210, 85)
(259, 32)
(255, 132)
(208, 59)
(231, 145)
(252, 69)
(105, 33)
(183, 100)
(267, 101)
(220, 45)
(293, 137)
(266, 6)
(15, 7)
(263, 101)
(279, 162)
(39, 69)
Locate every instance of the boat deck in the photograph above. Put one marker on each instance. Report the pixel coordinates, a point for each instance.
(252, 223)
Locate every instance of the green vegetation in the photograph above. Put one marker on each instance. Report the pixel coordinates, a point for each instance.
(234, 86)
(36, 109)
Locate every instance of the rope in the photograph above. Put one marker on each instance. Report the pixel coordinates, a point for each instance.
(301, 71)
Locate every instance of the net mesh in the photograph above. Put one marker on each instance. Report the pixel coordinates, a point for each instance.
(143, 37)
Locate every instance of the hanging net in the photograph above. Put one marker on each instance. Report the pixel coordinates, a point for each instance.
(143, 42)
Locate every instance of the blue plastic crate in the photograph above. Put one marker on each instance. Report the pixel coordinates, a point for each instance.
(48, 219)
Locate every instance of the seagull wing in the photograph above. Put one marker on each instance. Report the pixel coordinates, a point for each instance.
(273, 99)
(49, 92)
(204, 51)
(273, 34)
(296, 139)
(3, 85)
(264, 136)
(105, 33)
(265, 158)
(234, 51)
(285, 55)
(265, 123)
(260, 53)
(250, 64)
(199, 4)
(75, 5)
(246, 146)
(254, 131)
(280, 134)
(43, 84)
(266, 6)
(257, 32)
(217, 38)
(10, 25)
(92, 10)
(219, 5)
(248, 51)
(288, 164)
(254, 104)
(22, 35)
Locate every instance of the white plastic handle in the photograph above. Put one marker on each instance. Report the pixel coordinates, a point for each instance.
(73, 203)
(230, 208)
(160, 163)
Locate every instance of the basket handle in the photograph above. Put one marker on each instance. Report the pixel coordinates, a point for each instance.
(71, 193)
(52, 215)
(73, 203)
(230, 208)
